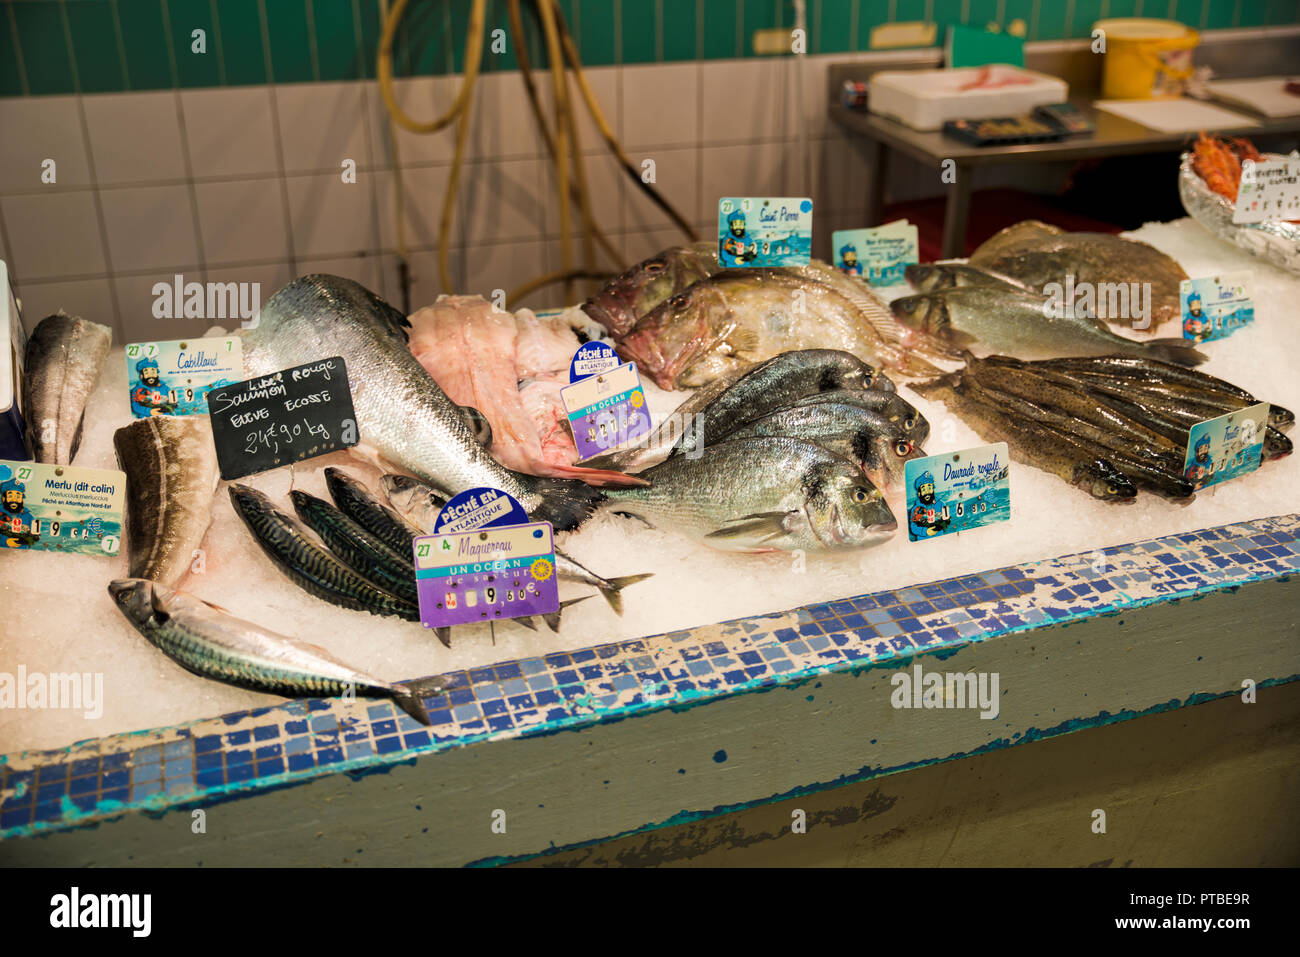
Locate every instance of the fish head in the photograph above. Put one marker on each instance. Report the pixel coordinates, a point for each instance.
(923, 313)
(844, 509)
(141, 600)
(1103, 481)
(626, 298)
(1276, 445)
(924, 278)
(883, 454)
(249, 500)
(1279, 417)
(678, 333)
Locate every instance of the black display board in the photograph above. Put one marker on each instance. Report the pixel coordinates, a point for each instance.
(291, 415)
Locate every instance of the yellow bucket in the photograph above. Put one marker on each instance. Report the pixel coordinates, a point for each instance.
(1146, 59)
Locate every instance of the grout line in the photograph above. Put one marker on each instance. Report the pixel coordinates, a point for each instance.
(739, 48)
(171, 47)
(121, 46)
(99, 216)
(276, 139)
(72, 53)
(1069, 18)
(192, 191)
(853, 25)
(1236, 14)
(218, 43)
(18, 49)
(659, 31)
(310, 17)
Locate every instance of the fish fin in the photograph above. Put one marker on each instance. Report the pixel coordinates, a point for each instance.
(553, 619)
(408, 699)
(597, 477)
(613, 589)
(1174, 350)
(394, 318)
(644, 521)
(527, 622)
(478, 424)
(76, 438)
(769, 523)
(444, 635)
(566, 504)
(742, 339)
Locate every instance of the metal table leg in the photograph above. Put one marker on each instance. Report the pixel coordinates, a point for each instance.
(956, 214)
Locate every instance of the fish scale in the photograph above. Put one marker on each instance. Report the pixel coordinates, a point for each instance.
(312, 568)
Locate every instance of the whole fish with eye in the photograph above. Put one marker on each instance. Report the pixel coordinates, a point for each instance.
(934, 277)
(421, 504)
(1034, 443)
(763, 494)
(1036, 254)
(402, 414)
(307, 565)
(1019, 324)
(60, 366)
(748, 393)
(624, 299)
(171, 472)
(719, 324)
(880, 447)
(210, 642)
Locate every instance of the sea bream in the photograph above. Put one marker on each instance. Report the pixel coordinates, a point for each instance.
(402, 414)
(210, 642)
(762, 494)
(60, 366)
(171, 472)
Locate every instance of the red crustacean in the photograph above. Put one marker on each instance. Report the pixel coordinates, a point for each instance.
(1217, 160)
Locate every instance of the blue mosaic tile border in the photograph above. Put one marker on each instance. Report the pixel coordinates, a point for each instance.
(284, 744)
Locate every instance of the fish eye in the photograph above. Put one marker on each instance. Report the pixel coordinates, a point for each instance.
(909, 423)
(903, 448)
(654, 267)
(860, 495)
(1111, 490)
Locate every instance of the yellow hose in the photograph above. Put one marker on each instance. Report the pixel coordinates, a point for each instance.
(534, 284)
(384, 68)
(559, 91)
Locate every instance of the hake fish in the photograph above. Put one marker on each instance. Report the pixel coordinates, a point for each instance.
(401, 412)
(62, 361)
(1019, 324)
(171, 472)
(210, 642)
(763, 494)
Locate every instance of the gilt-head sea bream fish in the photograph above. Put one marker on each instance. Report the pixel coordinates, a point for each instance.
(401, 412)
(60, 366)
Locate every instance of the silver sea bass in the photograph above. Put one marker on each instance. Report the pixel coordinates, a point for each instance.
(401, 411)
(211, 643)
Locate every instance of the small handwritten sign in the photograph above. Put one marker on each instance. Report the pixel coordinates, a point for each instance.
(284, 417)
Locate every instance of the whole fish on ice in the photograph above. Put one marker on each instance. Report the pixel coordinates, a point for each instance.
(60, 366)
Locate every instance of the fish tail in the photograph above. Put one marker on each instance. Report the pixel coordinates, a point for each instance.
(566, 504)
(1174, 350)
(444, 635)
(613, 589)
(409, 701)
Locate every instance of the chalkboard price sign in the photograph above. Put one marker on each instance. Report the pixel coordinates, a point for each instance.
(285, 417)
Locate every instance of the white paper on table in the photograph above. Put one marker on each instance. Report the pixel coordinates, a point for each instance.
(1265, 95)
(1175, 116)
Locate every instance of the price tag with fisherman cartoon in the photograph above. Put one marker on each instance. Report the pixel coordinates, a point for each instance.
(877, 255)
(1226, 447)
(60, 508)
(764, 231)
(1216, 307)
(484, 563)
(174, 378)
(956, 491)
(605, 405)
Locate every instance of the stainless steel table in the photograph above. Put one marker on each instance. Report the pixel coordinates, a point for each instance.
(1114, 136)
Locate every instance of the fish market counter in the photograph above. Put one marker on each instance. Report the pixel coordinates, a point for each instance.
(738, 687)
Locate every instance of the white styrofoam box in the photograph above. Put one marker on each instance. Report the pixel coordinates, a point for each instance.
(926, 99)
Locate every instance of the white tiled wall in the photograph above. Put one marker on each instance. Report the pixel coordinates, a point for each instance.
(244, 184)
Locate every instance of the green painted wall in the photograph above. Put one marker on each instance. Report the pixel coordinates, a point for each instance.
(97, 46)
